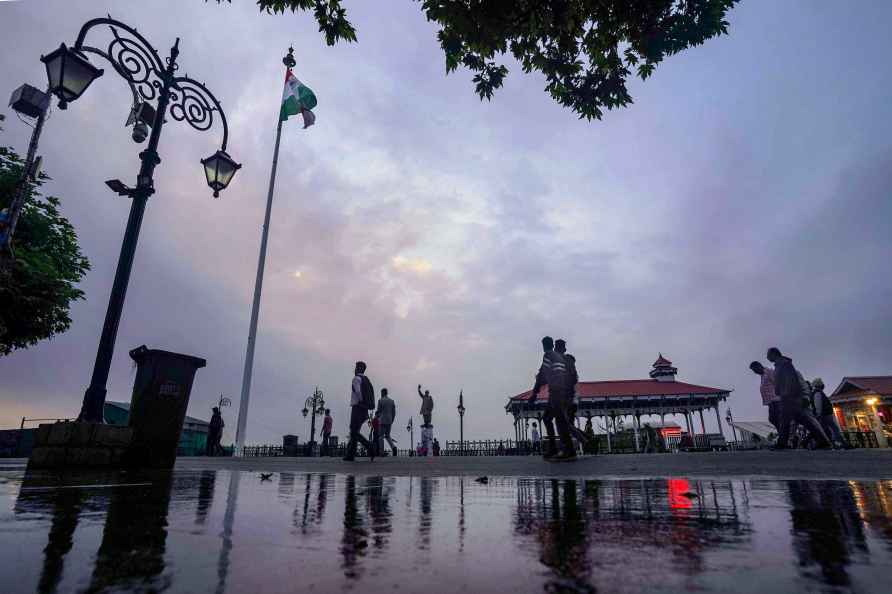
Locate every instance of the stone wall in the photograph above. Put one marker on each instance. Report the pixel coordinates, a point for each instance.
(70, 444)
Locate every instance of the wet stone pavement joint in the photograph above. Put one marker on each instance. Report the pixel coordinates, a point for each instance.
(424, 525)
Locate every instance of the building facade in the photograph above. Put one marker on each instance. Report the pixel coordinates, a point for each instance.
(612, 401)
(864, 403)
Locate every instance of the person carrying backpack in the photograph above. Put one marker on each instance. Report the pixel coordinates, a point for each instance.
(362, 400)
(824, 412)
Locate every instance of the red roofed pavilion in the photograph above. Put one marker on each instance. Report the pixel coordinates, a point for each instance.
(659, 396)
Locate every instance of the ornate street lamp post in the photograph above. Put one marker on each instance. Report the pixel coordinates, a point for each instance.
(314, 405)
(461, 422)
(70, 73)
(410, 427)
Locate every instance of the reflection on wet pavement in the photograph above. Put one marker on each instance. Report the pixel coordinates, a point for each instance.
(222, 531)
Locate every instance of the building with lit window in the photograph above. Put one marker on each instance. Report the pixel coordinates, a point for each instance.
(864, 403)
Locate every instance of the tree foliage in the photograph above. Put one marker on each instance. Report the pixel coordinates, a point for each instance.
(39, 285)
(586, 49)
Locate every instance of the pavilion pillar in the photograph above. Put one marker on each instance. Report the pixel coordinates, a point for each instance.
(687, 420)
(702, 424)
(718, 419)
(609, 443)
(636, 423)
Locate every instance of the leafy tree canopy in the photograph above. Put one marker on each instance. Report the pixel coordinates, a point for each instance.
(39, 285)
(586, 49)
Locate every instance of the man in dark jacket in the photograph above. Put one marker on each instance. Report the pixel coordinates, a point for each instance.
(553, 372)
(215, 433)
(788, 387)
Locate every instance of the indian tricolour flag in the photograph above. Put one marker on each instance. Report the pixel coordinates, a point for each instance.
(297, 98)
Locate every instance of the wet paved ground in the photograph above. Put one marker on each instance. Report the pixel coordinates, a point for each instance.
(230, 531)
(855, 464)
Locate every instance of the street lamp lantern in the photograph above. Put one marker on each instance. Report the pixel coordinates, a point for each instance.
(219, 169)
(69, 73)
(183, 99)
(305, 412)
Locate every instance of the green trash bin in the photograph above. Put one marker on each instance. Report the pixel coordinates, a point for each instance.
(158, 407)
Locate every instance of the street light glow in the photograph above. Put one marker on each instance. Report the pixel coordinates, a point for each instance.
(871, 401)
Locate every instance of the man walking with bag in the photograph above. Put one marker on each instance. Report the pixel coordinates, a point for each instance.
(387, 413)
(362, 400)
(789, 388)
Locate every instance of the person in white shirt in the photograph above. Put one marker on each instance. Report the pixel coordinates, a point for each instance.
(535, 437)
(359, 413)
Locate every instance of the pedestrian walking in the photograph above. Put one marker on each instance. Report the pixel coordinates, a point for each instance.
(536, 438)
(375, 434)
(436, 447)
(215, 433)
(387, 414)
(427, 405)
(327, 425)
(362, 400)
(650, 439)
(824, 412)
(560, 345)
(553, 373)
(790, 389)
(766, 389)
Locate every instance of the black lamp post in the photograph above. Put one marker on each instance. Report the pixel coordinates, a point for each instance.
(410, 427)
(314, 405)
(461, 422)
(150, 79)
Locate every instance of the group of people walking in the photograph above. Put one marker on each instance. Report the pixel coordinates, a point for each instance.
(558, 372)
(362, 402)
(794, 404)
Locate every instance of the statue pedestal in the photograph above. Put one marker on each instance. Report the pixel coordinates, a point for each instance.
(75, 444)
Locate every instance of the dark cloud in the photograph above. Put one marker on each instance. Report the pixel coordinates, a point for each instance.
(741, 202)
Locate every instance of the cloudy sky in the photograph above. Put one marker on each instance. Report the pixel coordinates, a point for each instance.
(743, 201)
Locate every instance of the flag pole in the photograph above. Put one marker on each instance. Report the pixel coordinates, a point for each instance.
(289, 62)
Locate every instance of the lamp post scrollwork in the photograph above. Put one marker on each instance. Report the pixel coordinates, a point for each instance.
(150, 78)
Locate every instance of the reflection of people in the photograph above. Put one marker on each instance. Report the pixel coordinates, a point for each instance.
(826, 527)
(65, 507)
(564, 541)
(353, 542)
(427, 405)
(215, 433)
